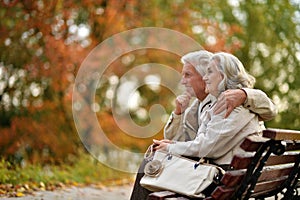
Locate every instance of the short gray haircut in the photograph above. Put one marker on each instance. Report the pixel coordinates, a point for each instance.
(198, 59)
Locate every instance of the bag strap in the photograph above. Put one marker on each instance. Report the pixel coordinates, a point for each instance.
(148, 156)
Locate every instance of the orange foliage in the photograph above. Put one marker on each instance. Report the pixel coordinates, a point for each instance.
(46, 132)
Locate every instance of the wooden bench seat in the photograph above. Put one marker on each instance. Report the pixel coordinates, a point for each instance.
(270, 167)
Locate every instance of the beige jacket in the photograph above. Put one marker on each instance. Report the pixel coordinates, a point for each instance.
(184, 127)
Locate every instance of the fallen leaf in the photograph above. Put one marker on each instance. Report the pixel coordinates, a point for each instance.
(19, 194)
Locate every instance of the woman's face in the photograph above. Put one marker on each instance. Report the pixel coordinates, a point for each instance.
(212, 78)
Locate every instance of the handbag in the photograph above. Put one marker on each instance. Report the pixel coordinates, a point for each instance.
(166, 171)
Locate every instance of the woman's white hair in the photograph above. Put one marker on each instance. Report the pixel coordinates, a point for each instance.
(234, 72)
(198, 59)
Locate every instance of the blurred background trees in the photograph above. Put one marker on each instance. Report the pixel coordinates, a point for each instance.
(42, 44)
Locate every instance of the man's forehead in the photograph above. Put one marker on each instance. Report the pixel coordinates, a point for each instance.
(188, 66)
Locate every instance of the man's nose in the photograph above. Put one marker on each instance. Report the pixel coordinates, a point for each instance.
(183, 81)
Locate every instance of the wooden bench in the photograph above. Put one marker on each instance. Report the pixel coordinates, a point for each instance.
(272, 169)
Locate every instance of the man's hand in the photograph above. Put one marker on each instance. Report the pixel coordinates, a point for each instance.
(230, 99)
(182, 102)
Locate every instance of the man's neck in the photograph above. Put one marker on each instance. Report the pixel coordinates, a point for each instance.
(202, 97)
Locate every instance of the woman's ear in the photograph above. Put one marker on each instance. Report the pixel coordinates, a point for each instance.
(222, 75)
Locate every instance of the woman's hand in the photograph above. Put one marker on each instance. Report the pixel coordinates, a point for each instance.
(161, 144)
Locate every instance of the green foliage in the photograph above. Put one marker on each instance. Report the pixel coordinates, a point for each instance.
(268, 46)
(85, 170)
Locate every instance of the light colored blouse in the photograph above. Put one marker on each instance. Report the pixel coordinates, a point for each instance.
(219, 138)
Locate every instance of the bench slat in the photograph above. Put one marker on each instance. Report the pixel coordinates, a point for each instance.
(222, 193)
(262, 188)
(288, 157)
(275, 173)
(233, 178)
(242, 162)
(281, 134)
(252, 143)
(292, 145)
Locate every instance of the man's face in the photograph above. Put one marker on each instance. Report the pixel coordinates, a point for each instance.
(193, 82)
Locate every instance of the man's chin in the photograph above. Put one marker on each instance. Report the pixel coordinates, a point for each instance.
(192, 94)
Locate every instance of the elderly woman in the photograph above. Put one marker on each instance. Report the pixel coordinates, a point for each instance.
(219, 138)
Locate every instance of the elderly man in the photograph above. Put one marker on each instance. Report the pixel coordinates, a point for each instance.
(185, 120)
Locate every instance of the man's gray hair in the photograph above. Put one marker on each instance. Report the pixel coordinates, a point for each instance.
(198, 59)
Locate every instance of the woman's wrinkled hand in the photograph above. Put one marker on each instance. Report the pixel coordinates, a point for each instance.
(161, 144)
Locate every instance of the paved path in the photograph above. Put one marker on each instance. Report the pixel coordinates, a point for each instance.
(85, 193)
(81, 193)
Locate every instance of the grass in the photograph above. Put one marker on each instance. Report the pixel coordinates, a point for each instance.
(84, 171)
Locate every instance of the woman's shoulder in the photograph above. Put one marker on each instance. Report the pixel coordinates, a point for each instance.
(237, 113)
(241, 113)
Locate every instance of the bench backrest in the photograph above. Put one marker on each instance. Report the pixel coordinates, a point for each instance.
(271, 166)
